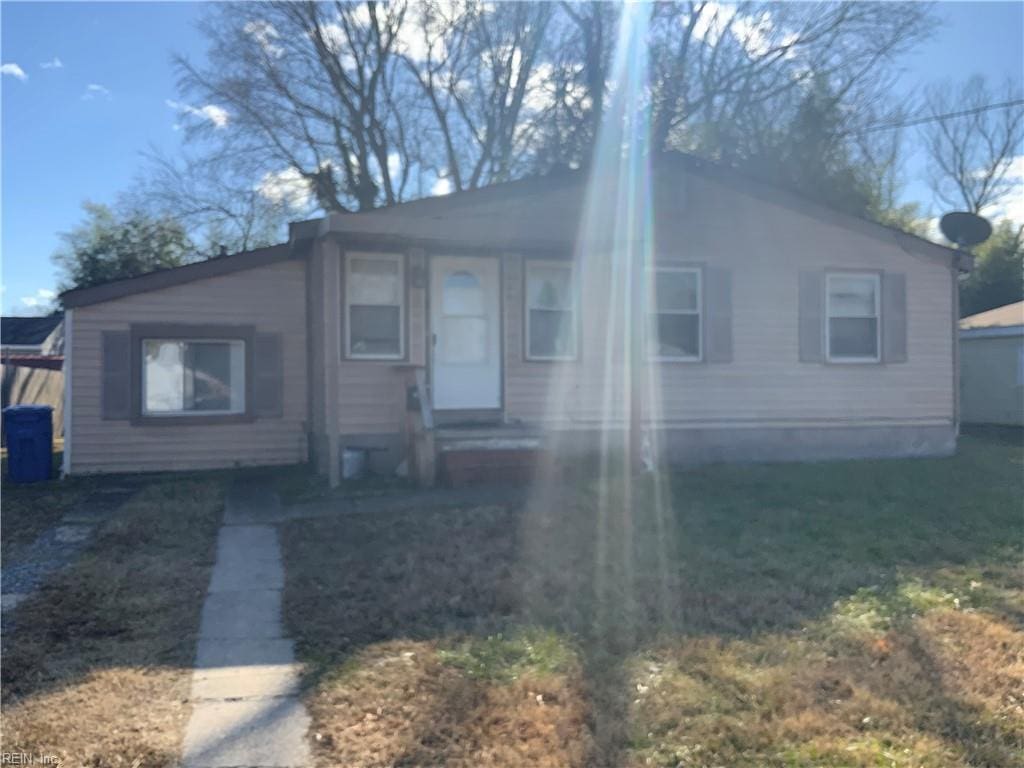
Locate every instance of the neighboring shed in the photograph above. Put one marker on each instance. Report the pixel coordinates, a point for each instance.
(32, 335)
(32, 353)
(992, 366)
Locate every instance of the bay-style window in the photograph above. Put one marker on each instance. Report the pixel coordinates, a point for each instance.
(852, 311)
(674, 309)
(182, 377)
(551, 310)
(374, 306)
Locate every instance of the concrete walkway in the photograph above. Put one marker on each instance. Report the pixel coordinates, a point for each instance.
(246, 712)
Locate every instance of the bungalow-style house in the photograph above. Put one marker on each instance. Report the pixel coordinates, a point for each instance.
(760, 326)
(992, 366)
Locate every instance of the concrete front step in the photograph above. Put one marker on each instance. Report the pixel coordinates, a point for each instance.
(462, 466)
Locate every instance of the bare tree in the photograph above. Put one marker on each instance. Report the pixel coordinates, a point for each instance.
(305, 86)
(365, 102)
(218, 207)
(583, 37)
(970, 153)
(717, 67)
(477, 66)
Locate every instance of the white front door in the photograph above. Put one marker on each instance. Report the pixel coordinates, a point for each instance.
(465, 324)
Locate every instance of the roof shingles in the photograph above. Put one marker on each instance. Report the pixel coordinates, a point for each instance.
(28, 331)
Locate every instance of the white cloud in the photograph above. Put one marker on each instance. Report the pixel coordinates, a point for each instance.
(538, 96)
(264, 33)
(442, 186)
(394, 164)
(419, 37)
(753, 33)
(95, 91)
(286, 187)
(54, 63)
(216, 115)
(423, 37)
(334, 37)
(14, 70)
(40, 298)
(1011, 206)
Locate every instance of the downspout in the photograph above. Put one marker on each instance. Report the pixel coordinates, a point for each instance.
(963, 262)
(310, 436)
(955, 271)
(65, 467)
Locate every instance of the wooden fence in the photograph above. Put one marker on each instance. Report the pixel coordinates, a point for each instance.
(29, 384)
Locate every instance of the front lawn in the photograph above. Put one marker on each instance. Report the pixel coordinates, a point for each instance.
(96, 671)
(29, 509)
(847, 614)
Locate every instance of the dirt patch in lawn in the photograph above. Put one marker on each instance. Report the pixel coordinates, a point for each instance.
(97, 669)
(32, 508)
(855, 614)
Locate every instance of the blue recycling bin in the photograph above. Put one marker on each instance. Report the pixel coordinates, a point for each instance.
(29, 431)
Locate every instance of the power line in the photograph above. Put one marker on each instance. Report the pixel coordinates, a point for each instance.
(933, 118)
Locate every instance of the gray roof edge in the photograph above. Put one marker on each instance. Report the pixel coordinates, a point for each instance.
(187, 273)
(963, 261)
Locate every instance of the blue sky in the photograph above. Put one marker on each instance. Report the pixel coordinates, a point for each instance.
(76, 132)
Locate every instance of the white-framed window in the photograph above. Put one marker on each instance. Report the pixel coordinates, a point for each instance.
(551, 310)
(182, 377)
(675, 305)
(852, 333)
(375, 306)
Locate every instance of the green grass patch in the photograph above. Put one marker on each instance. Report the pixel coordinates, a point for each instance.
(496, 657)
(881, 609)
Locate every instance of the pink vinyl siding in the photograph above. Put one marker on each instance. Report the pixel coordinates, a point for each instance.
(272, 298)
(765, 247)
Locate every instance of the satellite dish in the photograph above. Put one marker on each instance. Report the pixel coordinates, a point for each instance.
(965, 229)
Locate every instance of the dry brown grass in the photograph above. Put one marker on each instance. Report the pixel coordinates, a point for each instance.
(857, 614)
(397, 703)
(942, 690)
(32, 508)
(97, 669)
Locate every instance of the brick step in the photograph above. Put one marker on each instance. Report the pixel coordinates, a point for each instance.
(460, 466)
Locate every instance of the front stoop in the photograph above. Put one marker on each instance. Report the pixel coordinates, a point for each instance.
(489, 455)
(246, 710)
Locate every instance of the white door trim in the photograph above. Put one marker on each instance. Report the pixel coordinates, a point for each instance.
(466, 383)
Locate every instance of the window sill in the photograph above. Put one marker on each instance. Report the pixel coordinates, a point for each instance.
(853, 360)
(401, 359)
(184, 419)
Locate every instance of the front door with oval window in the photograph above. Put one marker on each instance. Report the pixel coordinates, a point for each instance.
(465, 332)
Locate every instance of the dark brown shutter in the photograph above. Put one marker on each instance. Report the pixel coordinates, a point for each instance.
(811, 316)
(268, 375)
(718, 314)
(894, 317)
(116, 375)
